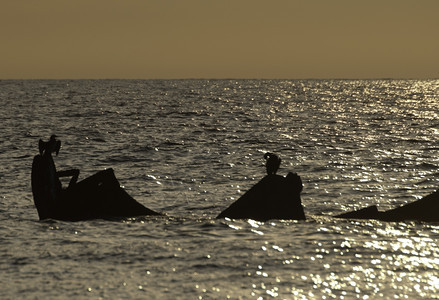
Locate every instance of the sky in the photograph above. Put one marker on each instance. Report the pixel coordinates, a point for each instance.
(176, 39)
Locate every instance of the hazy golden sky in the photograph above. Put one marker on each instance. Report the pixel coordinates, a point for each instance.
(219, 39)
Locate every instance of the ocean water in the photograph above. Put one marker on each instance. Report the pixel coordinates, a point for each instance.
(189, 148)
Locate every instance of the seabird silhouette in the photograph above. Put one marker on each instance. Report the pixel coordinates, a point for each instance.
(53, 145)
(273, 163)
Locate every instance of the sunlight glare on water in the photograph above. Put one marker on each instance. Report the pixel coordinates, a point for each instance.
(190, 148)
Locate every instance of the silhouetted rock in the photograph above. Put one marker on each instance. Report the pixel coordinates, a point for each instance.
(370, 212)
(98, 196)
(425, 209)
(273, 197)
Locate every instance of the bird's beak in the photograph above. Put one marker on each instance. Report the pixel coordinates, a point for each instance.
(57, 147)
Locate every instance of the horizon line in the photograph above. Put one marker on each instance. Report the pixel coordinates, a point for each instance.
(226, 78)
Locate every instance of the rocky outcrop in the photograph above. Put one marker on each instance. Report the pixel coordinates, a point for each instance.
(425, 209)
(98, 196)
(273, 197)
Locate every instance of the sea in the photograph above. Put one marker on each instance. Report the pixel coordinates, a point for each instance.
(190, 148)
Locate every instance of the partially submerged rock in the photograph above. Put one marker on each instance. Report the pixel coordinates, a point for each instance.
(98, 196)
(425, 209)
(370, 212)
(273, 197)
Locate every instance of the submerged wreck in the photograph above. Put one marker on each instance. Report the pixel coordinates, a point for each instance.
(96, 197)
(273, 197)
(425, 209)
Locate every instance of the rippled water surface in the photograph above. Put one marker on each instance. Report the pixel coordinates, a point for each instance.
(191, 148)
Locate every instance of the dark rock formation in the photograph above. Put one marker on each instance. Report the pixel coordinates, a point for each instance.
(273, 197)
(425, 209)
(370, 212)
(98, 196)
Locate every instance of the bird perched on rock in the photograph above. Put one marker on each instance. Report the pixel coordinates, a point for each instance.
(53, 145)
(272, 164)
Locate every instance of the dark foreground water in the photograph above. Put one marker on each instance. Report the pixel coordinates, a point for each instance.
(189, 149)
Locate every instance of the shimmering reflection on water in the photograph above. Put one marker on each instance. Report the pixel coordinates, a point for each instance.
(347, 260)
(189, 149)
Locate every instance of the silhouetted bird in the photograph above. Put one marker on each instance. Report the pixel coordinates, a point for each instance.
(273, 163)
(52, 145)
